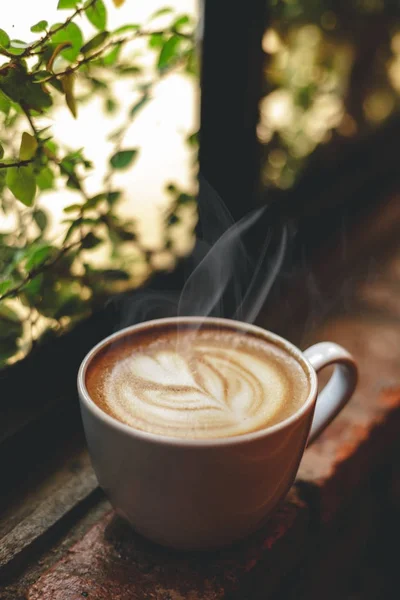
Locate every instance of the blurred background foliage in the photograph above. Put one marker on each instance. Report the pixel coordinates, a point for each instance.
(47, 283)
(332, 73)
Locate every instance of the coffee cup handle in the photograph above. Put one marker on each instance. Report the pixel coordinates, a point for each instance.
(339, 388)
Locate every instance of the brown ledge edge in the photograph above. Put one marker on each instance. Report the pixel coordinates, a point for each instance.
(63, 489)
(111, 561)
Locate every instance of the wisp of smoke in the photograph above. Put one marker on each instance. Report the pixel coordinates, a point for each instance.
(223, 273)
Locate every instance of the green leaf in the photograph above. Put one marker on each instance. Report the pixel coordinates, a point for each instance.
(161, 12)
(72, 208)
(5, 285)
(181, 22)
(78, 222)
(123, 235)
(74, 158)
(67, 82)
(4, 39)
(74, 225)
(71, 34)
(169, 52)
(113, 197)
(96, 13)
(64, 4)
(193, 139)
(5, 208)
(45, 179)
(112, 57)
(123, 159)
(90, 221)
(67, 165)
(125, 28)
(28, 146)
(57, 296)
(22, 183)
(39, 27)
(98, 83)
(41, 220)
(17, 47)
(52, 147)
(1, 151)
(156, 40)
(4, 104)
(132, 70)
(43, 130)
(36, 98)
(9, 256)
(39, 76)
(110, 105)
(95, 42)
(94, 201)
(139, 105)
(91, 241)
(38, 255)
(32, 288)
(13, 118)
(73, 183)
(13, 81)
(192, 63)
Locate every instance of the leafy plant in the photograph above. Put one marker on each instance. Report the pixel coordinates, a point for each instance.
(46, 284)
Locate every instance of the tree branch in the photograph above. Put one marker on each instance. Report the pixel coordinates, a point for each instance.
(19, 163)
(5, 52)
(31, 123)
(88, 58)
(28, 51)
(100, 52)
(39, 269)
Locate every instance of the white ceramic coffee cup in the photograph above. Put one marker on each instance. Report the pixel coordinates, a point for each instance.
(203, 494)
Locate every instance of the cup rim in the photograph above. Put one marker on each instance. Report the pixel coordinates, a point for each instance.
(193, 442)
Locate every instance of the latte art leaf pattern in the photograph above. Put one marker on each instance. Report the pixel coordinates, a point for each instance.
(198, 391)
(215, 383)
(163, 368)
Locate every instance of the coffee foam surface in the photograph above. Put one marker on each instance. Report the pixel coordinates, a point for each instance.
(202, 384)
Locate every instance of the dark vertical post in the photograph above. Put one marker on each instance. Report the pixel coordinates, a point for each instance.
(231, 80)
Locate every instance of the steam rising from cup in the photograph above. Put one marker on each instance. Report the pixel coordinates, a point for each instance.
(224, 280)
